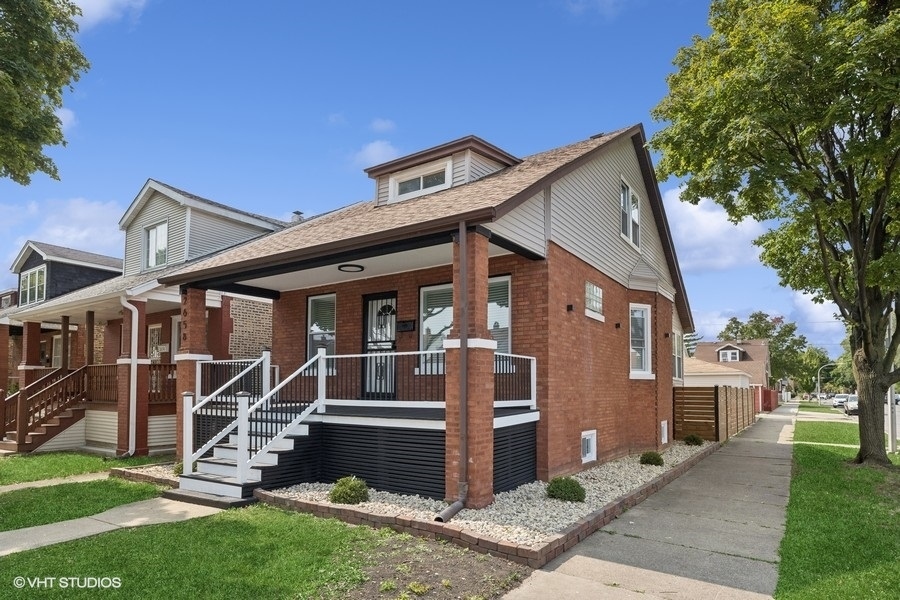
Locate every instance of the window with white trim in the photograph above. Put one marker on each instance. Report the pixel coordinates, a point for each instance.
(630, 211)
(157, 245)
(593, 301)
(588, 446)
(321, 322)
(729, 356)
(424, 179)
(436, 314)
(32, 286)
(640, 340)
(56, 356)
(677, 355)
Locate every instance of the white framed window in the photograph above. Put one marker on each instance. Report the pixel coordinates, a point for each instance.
(6, 302)
(176, 334)
(321, 323)
(56, 356)
(677, 355)
(588, 446)
(593, 301)
(729, 356)
(33, 286)
(156, 248)
(630, 211)
(436, 316)
(424, 179)
(641, 367)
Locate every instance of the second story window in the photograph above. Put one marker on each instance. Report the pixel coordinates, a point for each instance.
(425, 179)
(32, 286)
(157, 245)
(728, 356)
(631, 215)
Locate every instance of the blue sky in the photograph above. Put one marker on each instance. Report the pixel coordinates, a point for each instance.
(278, 106)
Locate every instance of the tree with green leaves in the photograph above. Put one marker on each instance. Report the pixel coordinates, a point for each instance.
(810, 361)
(785, 344)
(788, 111)
(690, 342)
(38, 60)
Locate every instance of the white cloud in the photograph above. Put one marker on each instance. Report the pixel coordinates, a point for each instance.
(375, 153)
(708, 324)
(94, 12)
(704, 238)
(818, 321)
(66, 118)
(382, 125)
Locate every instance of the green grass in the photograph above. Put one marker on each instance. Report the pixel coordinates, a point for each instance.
(39, 506)
(34, 467)
(842, 536)
(254, 552)
(809, 407)
(826, 433)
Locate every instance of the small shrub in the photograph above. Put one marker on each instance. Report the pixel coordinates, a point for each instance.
(387, 586)
(418, 588)
(693, 440)
(566, 488)
(651, 458)
(349, 490)
(178, 469)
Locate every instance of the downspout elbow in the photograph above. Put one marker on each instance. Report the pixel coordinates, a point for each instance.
(449, 512)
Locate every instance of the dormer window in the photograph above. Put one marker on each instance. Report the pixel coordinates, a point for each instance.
(424, 179)
(32, 286)
(157, 238)
(728, 356)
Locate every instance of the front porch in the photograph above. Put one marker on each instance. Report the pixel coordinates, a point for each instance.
(381, 417)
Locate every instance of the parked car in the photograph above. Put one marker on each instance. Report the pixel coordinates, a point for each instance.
(851, 406)
(839, 400)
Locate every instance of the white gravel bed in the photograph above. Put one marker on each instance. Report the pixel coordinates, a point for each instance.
(524, 515)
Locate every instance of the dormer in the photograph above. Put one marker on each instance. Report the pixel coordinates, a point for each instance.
(166, 226)
(729, 353)
(8, 299)
(454, 163)
(46, 271)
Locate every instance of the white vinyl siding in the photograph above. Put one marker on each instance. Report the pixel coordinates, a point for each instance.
(481, 166)
(585, 216)
(158, 209)
(161, 431)
(524, 225)
(211, 233)
(101, 427)
(72, 438)
(466, 167)
(460, 172)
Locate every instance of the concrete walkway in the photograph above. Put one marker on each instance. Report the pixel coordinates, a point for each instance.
(57, 481)
(713, 533)
(145, 512)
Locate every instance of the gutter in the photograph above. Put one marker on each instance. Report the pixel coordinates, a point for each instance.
(132, 371)
(463, 484)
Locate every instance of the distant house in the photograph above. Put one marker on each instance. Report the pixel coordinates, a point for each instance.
(117, 376)
(46, 271)
(699, 373)
(483, 321)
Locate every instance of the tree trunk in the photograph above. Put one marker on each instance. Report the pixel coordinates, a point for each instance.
(871, 413)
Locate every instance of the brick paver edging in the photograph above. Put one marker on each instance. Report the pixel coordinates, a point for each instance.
(528, 555)
(129, 475)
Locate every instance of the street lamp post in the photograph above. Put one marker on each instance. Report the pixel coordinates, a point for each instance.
(819, 377)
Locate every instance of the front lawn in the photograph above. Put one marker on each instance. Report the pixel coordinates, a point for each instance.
(34, 467)
(256, 552)
(842, 536)
(819, 408)
(39, 506)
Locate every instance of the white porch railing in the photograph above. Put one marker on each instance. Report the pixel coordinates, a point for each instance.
(261, 421)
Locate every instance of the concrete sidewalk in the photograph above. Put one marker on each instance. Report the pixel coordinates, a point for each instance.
(145, 512)
(56, 481)
(713, 533)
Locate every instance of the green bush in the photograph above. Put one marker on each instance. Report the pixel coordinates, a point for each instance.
(566, 488)
(651, 458)
(178, 468)
(693, 440)
(349, 490)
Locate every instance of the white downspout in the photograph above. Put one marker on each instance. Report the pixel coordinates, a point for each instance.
(132, 384)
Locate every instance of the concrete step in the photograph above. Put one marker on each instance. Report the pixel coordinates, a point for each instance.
(223, 466)
(217, 485)
(205, 499)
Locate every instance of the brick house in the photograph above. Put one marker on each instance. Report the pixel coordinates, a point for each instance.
(484, 321)
(114, 390)
(45, 272)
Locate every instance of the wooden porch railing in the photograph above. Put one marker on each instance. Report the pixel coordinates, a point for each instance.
(162, 383)
(101, 384)
(11, 402)
(44, 399)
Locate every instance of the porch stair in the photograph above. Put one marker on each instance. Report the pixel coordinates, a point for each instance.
(44, 433)
(216, 475)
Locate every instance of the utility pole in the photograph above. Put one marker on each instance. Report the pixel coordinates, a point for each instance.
(819, 378)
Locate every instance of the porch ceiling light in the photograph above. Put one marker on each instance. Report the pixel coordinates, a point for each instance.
(349, 268)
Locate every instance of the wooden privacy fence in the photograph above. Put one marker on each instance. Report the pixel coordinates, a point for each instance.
(714, 413)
